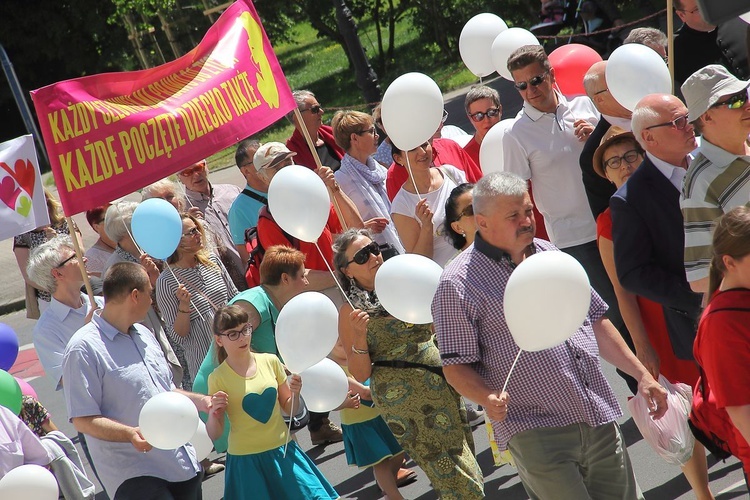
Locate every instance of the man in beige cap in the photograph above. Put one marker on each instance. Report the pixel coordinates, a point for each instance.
(717, 179)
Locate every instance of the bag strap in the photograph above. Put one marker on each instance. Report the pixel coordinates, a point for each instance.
(447, 173)
(255, 196)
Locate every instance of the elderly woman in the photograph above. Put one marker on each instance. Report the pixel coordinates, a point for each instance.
(402, 361)
(616, 158)
(188, 293)
(418, 210)
(363, 179)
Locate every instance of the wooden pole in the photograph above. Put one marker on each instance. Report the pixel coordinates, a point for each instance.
(314, 152)
(79, 257)
(670, 40)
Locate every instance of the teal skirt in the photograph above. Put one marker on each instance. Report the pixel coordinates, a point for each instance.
(368, 443)
(270, 475)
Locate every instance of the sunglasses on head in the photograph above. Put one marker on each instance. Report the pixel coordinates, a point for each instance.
(534, 82)
(190, 171)
(363, 254)
(737, 101)
(491, 113)
(314, 109)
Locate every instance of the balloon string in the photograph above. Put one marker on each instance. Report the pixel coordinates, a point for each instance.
(505, 385)
(289, 431)
(411, 175)
(334, 275)
(128, 229)
(178, 283)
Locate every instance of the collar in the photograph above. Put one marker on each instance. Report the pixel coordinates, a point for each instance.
(535, 114)
(664, 167)
(717, 155)
(200, 196)
(107, 329)
(61, 311)
(497, 254)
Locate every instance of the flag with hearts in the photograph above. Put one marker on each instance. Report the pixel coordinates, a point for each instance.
(22, 203)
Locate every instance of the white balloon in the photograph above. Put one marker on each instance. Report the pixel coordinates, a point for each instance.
(475, 42)
(406, 285)
(299, 202)
(29, 482)
(552, 282)
(201, 441)
(168, 420)
(635, 71)
(307, 330)
(324, 386)
(505, 44)
(412, 110)
(491, 149)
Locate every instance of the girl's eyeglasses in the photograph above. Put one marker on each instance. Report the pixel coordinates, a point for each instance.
(233, 335)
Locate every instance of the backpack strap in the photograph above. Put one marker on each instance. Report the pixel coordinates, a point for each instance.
(255, 196)
(448, 174)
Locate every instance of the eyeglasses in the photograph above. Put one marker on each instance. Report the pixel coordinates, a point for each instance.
(468, 211)
(737, 101)
(445, 116)
(630, 157)
(234, 335)
(601, 91)
(678, 123)
(370, 130)
(534, 82)
(491, 113)
(188, 172)
(363, 254)
(66, 261)
(691, 12)
(313, 109)
(192, 232)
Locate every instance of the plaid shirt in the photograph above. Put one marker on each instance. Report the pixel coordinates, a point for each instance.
(555, 387)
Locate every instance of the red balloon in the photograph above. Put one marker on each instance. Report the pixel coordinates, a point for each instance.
(571, 62)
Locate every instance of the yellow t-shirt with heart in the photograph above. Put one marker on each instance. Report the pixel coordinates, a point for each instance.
(253, 405)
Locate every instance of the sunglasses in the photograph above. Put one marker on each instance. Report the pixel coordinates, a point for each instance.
(491, 113)
(737, 101)
(234, 335)
(678, 123)
(468, 211)
(534, 82)
(192, 232)
(313, 109)
(66, 261)
(363, 254)
(370, 130)
(630, 157)
(188, 172)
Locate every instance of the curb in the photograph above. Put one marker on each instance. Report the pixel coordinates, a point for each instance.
(13, 306)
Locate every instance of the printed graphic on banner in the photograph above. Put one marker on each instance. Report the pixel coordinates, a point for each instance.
(108, 135)
(22, 204)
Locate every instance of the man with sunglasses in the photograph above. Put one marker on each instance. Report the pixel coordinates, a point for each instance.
(717, 178)
(329, 152)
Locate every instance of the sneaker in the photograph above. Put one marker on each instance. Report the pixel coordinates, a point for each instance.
(328, 433)
(213, 468)
(476, 416)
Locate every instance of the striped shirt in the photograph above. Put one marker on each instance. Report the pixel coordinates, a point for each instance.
(716, 182)
(210, 287)
(554, 387)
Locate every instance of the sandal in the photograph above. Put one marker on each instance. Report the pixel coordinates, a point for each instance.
(405, 476)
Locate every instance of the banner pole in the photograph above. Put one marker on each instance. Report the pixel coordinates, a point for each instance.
(670, 41)
(79, 257)
(314, 152)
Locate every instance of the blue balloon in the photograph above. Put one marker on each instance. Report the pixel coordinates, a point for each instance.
(8, 347)
(157, 227)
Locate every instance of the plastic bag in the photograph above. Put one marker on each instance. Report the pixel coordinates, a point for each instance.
(669, 436)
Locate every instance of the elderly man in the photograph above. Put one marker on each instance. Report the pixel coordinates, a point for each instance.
(329, 152)
(650, 37)
(112, 366)
(243, 214)
(698, 43)
(599, 189)
(717, 178)
(214, 201)
(559, 415)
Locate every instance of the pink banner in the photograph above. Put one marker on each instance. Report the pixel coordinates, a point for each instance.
(111, 134)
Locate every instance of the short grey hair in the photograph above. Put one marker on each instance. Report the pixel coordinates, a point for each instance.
(154, 191)
(340, 246)
(591, 80)
(45, 258)
(118, 218)
(299, 98)
(481, 92)
(651, 37)
(497, 184)
(643, 116)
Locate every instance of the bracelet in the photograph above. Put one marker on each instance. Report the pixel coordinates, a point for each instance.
(360, 351)
(186, 312)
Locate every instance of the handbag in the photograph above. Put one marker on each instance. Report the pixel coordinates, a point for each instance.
(300, 419)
